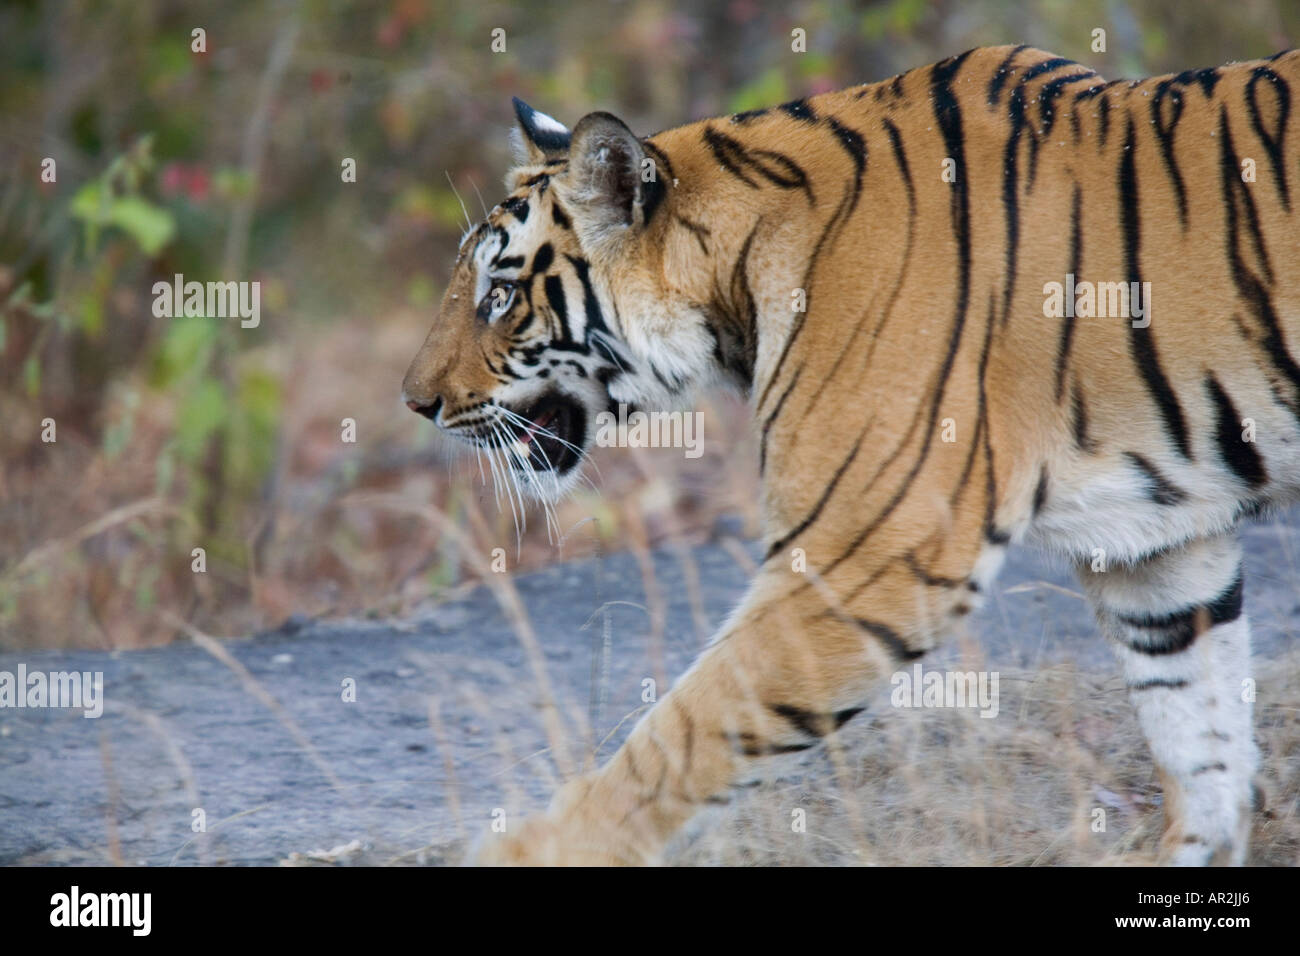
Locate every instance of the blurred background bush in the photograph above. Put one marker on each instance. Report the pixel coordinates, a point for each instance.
(225, 163)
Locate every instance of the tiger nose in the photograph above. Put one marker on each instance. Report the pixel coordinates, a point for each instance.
(428, 409)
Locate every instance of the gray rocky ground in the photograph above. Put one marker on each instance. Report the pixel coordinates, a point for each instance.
(447, 724)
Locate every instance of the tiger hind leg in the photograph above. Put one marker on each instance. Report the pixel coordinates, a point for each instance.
(1177, 624)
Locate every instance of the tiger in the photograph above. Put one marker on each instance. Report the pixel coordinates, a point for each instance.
(878, 270)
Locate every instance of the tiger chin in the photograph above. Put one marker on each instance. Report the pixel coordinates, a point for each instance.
(871, 268)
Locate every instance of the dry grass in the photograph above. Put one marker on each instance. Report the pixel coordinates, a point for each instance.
(93, 553)
(949, 788)
(945, 788)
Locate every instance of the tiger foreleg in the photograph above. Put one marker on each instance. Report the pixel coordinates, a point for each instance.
(781, 675)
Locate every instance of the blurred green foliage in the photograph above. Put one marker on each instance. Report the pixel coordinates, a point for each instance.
(225, 163)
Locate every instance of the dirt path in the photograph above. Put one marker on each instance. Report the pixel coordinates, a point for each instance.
(447, 723)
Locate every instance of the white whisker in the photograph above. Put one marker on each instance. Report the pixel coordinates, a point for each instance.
(469, 226)
(583, 456)
(512, 489)
(480, 198)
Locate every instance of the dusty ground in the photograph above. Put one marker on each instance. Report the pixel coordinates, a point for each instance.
(447, 726)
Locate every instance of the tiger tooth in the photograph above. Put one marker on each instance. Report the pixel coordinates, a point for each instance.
(523, 448)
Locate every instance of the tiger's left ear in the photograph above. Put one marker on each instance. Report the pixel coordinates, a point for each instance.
(538, 138)
(611, 181)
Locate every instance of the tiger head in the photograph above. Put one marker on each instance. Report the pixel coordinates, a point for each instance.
(558, 309)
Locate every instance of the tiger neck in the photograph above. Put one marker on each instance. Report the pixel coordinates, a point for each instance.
(736, 238)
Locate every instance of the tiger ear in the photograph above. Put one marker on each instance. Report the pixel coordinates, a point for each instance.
(612, 183)
(538, 138)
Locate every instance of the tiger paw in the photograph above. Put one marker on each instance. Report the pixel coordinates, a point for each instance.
(548, 841)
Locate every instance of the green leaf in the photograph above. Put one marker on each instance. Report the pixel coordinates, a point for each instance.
(202, 412)
(89, 202)
(32, 376)
(152, 227)
(186, 349)
(770, 88)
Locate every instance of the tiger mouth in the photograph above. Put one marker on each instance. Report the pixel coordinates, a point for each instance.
(551, 433)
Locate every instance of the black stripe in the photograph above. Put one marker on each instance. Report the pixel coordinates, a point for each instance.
(728, 153)
(1080, 414)
(1235, 188)
(1248, 284)
(543, 258)
(1001, 75)
(1209, 768)
(1040, 491)
(751, 746)
(595, 318)
(889, 637)
(1175, 632)
(652, 195)
(781, 542)
(554, 287)
(1153, 683)
(1011, 196)
(1207, 78)
(660, 158)
(1046, 66)
(928, 578)
(1238, 454)
(812, 723)
(1035, 71)
(776, 168)
(700, 232)
(1051, 91)
(1272, 141)
(856, 147)
(1076, 265)
(1165, 126)
(559, 216)
(1227, 606)
(900, 157)
(733, 320)
(990, 474)
(781, 170)
(517, 207)
(1091, 92)
(1142, 341)
(800, 110)
(814, 258)
(1162, 491)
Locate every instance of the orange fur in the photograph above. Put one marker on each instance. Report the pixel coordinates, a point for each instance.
(925, 319)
